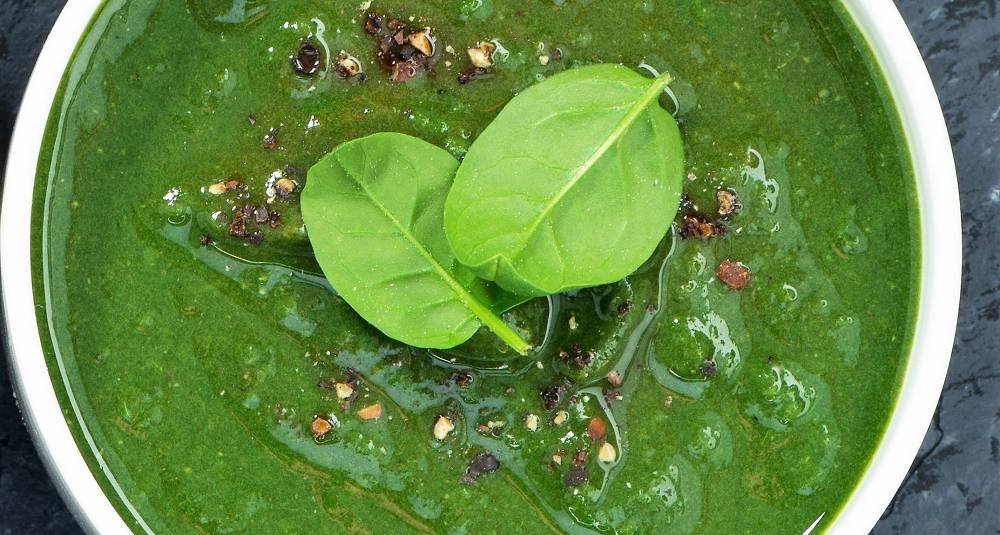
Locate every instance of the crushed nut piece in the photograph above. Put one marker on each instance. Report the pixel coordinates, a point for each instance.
(560, 418)
(557, 457)
(482, 54)
(371, 412)
(423, 41)
(344, 390)
(614, 378)
(531, 422)
(347, 65)
(442, 427)
(699, 227)
(729, 202)
(284, 187)
(607, 453)
(572, 323)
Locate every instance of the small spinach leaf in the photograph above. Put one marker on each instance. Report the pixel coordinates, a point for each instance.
(374, 211)
(573, 185)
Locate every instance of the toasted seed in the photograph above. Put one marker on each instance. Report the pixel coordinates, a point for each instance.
(423, 41)
(607, 453)
(442, 427)
(482, 54)
(344, 390)
(371, 412)
(531, 421)
(560, 418)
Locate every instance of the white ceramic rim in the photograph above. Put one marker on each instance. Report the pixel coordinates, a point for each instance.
(940, 283)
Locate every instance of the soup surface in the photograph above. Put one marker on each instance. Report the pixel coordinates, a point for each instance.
(197, 358)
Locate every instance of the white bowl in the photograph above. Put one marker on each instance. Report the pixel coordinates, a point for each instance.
(940, 281)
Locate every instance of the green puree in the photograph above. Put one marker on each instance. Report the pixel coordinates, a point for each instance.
(194, 368)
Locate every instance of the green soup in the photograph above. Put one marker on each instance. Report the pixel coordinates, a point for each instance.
(196, 360)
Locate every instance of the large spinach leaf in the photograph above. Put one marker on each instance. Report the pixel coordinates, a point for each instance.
(373, 209)
(573, 185)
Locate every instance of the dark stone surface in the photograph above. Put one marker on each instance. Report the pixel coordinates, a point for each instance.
(954, 486)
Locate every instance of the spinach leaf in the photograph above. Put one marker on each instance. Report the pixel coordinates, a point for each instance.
(573, 185)
(374, 211)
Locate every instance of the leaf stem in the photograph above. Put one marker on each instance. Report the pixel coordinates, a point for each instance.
(500, 328)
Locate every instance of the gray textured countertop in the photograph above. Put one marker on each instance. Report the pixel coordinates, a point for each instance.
(954, 486)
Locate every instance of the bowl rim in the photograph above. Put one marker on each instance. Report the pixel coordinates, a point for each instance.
(937, 313)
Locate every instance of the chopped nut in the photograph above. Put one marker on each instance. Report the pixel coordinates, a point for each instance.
(572, 323)
(218, 188)
(531, 422)
(596, 429)
(557, 457)
(442, 427)
(482, 54)
(733, 274)
(614, 378)
(285, 186)
(580, 458)
(560, 418)
(729, 202)
(423, 41)
(371, 412)
(544, 59)
(344, 390)
(320, 427)
(607, 453)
